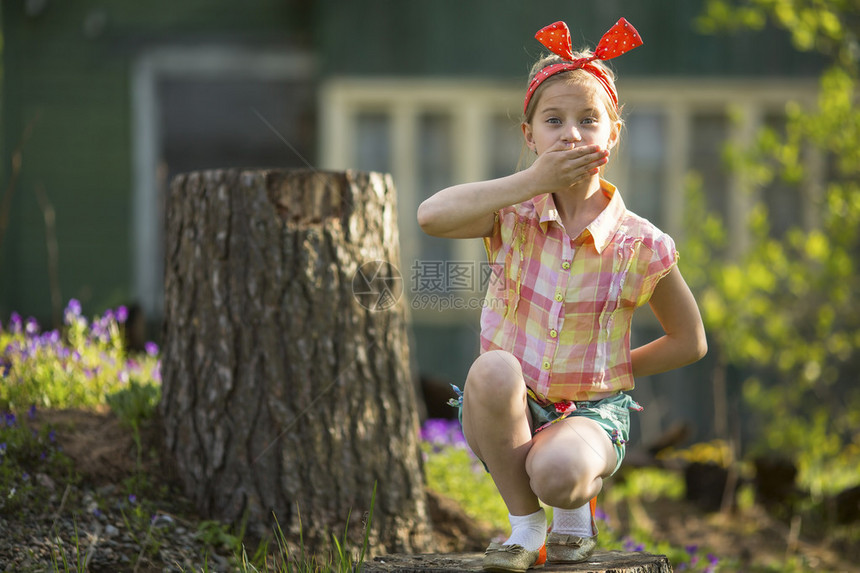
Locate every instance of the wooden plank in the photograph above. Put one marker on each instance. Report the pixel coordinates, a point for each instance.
(600, 562)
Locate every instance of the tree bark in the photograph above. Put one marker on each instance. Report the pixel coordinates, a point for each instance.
(284, 393)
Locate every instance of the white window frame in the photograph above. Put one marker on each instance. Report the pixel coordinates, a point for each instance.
(472, 102)
(151, 67)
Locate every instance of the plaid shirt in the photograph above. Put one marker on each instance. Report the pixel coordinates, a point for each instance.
(563, 306)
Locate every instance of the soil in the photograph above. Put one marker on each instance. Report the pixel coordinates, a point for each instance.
(97, 506)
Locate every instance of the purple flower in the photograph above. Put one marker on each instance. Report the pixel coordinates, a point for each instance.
(132, 498)
(15, 320)
(52, 436)
(73, 308)
(151, 348)
(32, 412)
(32, 327)
(691, 549)
(50, 338)
(639, 547)
(629, 544)
(10, 419)
(441, 432)
(100, 329)
(601, 515)
(97, 512)
(3, 448)
(121, 314)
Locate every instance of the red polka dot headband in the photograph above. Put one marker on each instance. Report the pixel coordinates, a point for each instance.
(621, 38)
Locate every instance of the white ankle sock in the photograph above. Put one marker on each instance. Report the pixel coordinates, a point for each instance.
(528, 530)
(572, 521)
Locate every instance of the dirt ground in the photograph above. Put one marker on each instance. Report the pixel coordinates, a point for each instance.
(104, 453)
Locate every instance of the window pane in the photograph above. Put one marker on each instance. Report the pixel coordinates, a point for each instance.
(239, 123)
(373, 142)
(435, 171)
(646, 150)
(783, 200)
(506, 145)
(709, 135)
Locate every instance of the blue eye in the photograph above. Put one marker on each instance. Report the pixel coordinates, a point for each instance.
(553, 120)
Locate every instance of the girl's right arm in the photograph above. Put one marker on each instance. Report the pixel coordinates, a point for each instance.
(468, 210)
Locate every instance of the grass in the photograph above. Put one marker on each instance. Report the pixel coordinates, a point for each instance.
(84, 365)
(453, 471)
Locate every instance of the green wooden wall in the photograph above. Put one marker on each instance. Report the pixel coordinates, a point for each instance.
(66, 78)
(67, 73)
(496, 38)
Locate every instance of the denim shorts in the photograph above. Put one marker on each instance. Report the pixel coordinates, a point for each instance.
(612, 414)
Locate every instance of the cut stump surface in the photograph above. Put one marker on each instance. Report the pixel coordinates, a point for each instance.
(600, 562)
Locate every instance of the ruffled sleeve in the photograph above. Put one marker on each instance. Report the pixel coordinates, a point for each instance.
(664, 256)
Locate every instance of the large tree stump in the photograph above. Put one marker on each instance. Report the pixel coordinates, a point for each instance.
(283, 393)
(600, 562)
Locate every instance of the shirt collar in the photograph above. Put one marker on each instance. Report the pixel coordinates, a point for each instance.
(602, 228)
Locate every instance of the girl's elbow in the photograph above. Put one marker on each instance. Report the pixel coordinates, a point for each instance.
(425, 218)
(699, 348)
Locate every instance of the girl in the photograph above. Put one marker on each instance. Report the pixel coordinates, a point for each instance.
(544, 405)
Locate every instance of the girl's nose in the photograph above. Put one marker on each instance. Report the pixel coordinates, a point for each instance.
(571, 134)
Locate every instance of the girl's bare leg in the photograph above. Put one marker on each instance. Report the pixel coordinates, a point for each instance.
(568, 461)
(497, 426)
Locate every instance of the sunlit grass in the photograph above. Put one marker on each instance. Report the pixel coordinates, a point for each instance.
(84, 365)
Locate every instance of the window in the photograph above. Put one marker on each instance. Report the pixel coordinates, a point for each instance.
(432, 133)
(199, 108)
(645, 146)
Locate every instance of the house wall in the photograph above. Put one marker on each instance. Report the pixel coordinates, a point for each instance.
(494, 39)
(72, 72)
(67, 84)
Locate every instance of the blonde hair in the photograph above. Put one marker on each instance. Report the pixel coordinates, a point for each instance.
(577, 77)
(572, 77)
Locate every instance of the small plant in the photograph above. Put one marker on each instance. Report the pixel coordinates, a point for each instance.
(27, 457)
(216, 534)
(73, 368)
(138, 518)
(341, 559)
(135, 403)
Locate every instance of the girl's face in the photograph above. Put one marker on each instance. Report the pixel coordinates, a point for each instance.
(574, 114)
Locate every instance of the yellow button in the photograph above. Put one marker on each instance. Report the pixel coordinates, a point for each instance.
(553, 333)
(546, 365)
(565, 265)
(559, 297)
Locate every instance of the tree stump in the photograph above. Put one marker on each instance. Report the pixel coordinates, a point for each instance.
(287, 390)
(600, 562)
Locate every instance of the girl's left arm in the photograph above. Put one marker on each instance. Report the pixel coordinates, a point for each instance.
(684, 340)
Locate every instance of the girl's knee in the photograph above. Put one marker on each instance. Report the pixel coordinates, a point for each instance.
(567, 491)
(560, 480)
(495, 373)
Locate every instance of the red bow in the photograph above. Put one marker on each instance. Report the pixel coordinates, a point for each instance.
(621, 38)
